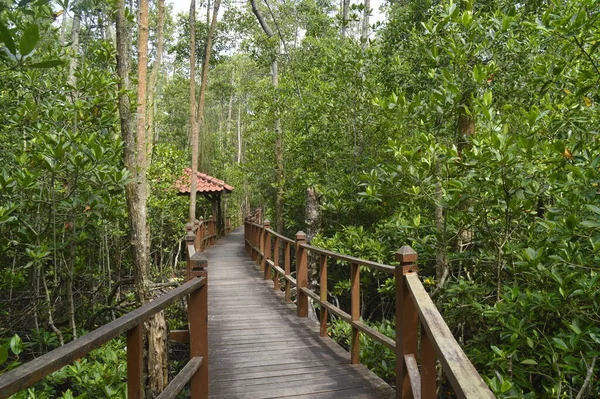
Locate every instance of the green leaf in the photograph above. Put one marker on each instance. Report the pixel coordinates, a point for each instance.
(498, 351)
(531, 254)
(590, 224)
(593, 208)
(7, 38)
(47, 64)
(506, 386)
(529, 361)
(29, 40)
(16, 344)
(560, 344)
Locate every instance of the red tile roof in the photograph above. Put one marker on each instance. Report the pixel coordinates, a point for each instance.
(204, 183)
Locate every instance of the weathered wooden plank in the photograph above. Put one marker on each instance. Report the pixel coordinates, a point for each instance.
(259, 348)
(462, 375)
(182, 378)
(412, 369)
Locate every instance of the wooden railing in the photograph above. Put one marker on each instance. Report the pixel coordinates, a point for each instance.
(422, 336)
(205, 232)
(195, 371)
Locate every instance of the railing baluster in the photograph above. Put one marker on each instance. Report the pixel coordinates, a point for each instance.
(135, 364)
(406, 320)
(264, 265)
(276, 263)
(355, 312)
(201, 234)
(301, 275)
(323, 293)
(428, 372)
(198, 327)
(287, 269)
(261, 248)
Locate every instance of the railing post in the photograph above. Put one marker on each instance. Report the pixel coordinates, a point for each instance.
(287, 270)
(189, 241)
(246, 236)
(201, 234)
(251, 240)
(276, 263)
(323, 293)
(198, 328)
(428, 371)
(197, 238)
(135, 362)
(301, 275)
(355, 312)
(406, 320)
(261, 248)
(266, 251)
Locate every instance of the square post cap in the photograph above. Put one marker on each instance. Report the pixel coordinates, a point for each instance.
(406, 255)
(300, 236)
(267, 223)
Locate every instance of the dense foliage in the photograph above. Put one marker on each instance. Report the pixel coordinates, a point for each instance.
(467, 130)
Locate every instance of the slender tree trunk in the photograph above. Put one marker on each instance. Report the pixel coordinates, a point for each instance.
(278, 152)
(239, 133)
(193, 125)
(279, 225)
(204, 78)
(313, 227)
(154, 76)
(441, 262)
(345, 11)
(72, 80)
(138, 210)
(136, 161)
(75, 48)
(50, 319)
(230, 114)
(365, 24)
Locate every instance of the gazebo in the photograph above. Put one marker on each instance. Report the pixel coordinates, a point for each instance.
(209, 187)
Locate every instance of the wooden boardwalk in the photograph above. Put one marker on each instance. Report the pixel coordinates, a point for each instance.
(258, 348)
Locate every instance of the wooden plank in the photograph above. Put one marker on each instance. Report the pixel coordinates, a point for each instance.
(412, 369)
(135, 362)
(355, 312)
(181, 336)
(259, 348)
(465, 380)
(182, 378)
(350, 259)
(374, 334)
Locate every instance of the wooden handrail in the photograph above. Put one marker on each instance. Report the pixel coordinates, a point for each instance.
(414, 310)
(196, 370)
(29, 373)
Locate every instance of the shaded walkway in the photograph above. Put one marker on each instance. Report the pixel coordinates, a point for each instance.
(260, 349)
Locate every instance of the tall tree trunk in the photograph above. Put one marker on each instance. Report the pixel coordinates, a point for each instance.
(365, 24)
(139, 191)
(239, 133)
(230, 113)
(136, 192)
(279, 225)
(154, 76)
(313, 227)
(204, 78)
(193, 125)
(345, 11)
(441, 260)
(74, 47)
(72, 80)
